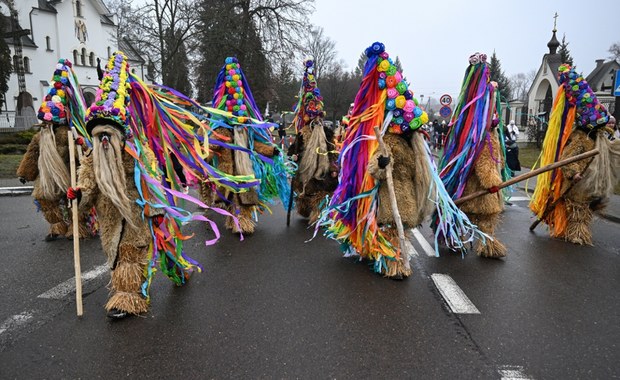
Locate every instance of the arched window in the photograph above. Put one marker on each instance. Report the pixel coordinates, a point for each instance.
(83, 58)
(26, 64)
(15, 63)
(91, 59)
(109, 52)
(75, 57)
(78, 8)
(48, 43)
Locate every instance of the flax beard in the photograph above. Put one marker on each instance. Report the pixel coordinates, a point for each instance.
(53, 171)
(110, 171)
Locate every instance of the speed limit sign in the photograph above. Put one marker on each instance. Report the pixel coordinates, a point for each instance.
(445, 100)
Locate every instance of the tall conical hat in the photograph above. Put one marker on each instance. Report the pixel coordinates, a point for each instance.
(112, 96)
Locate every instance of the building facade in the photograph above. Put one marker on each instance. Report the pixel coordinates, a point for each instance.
(80, 30)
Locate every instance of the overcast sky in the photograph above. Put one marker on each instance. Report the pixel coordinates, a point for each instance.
(434, 38)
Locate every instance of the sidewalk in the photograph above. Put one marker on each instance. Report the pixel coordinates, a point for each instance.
(611, 212)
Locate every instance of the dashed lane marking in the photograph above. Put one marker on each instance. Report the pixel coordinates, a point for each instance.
(15, 321)
(508, 372)
(454, 296)
(61, 290)
(518, 199)
(423, 242)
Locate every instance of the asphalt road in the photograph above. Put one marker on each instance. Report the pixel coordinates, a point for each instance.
(276, 306)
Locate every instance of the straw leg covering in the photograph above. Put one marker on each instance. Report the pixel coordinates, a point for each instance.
(579, 218)
(127, 278)
(395, 268)
(487, 223)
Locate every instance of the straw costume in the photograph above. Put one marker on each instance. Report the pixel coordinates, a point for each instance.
(359, 215)
(46, 161)
(474, 155)
(314, 149)
(577, 125)
(243, 146)
(129, 178)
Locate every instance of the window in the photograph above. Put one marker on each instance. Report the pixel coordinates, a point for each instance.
(109, 52)
(15, 63)
(91, 59)
(75, 56)
(83, 57)
(26, 64)
(48, 43)
(78, 8)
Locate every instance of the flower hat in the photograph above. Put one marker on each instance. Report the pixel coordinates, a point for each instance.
(112, 96)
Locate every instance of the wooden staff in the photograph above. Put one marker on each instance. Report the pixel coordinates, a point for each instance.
(392, 193)
(552, 206)
(531, 174)
(76, 229)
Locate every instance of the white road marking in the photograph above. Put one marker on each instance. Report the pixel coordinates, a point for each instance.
(61, 290)
(422, 241)
(15, 321)
(409, 248)
(518, 199)
(512, 373)
(454, 296)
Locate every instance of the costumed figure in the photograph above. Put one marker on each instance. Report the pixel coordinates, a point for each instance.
(314, 150)
(474, 154)
(565, 198)
(135, 129)
(243, 146)
(359, 214)
(46, 161)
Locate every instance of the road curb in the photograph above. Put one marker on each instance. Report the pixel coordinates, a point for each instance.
(17, 190)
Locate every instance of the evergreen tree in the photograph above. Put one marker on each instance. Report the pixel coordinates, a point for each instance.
(565, 56)
(175, 71)
(5, 62)
(497, 75)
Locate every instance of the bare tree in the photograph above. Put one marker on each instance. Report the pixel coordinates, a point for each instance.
(520, 84)
(615, 51)
(321, 48)
(160, 30)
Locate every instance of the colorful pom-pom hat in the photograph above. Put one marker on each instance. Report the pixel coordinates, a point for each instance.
(112, 96)
(311, 98)
(54, 108)
(407, 115)
(591, 115)
(232, 92)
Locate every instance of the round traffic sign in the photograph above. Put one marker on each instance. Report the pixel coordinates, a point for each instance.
(445, 100)
(445, 111)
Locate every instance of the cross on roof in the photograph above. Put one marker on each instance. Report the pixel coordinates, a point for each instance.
(555, 19)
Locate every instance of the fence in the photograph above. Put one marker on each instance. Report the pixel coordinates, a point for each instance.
(9, 122)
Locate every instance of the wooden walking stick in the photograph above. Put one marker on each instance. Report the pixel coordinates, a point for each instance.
(76, 229)
(525, 176)
(552, 206)
(392, 194)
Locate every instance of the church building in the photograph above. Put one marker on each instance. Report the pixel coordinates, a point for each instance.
(40, 32)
